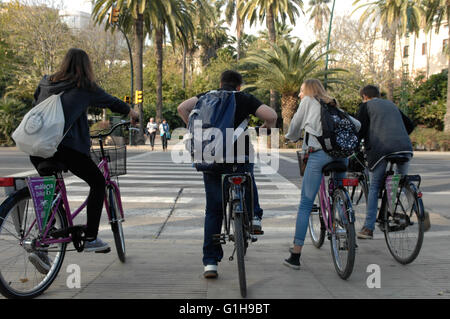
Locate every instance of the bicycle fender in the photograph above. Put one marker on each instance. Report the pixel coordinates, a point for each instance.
(350, 212)
(418, 201)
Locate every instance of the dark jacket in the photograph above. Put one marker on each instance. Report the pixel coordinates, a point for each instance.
(75, 102)
(385, 130)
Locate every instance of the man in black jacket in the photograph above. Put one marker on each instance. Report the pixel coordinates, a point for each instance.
(385, 130)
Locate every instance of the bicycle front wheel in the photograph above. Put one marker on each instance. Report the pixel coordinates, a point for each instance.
(26, 270)
(343, 235)
(359, 196)
(404, 227)
(116, 223)
(240, 252)
(316, 225)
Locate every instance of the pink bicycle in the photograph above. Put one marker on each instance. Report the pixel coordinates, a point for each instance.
(36, 222)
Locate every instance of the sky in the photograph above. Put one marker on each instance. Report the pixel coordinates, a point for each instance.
(303, 28)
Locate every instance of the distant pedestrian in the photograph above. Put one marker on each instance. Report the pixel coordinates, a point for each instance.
(164, 133)
(152, 127)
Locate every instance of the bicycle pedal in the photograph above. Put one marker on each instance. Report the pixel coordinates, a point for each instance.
(219, 239)
(108, 250)
(258, 232)
(254, 239)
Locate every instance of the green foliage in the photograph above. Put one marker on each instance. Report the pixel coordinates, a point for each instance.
(428, 100)
(11, 113)
(430, 139)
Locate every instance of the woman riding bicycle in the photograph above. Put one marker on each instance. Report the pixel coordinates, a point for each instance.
(308, 118)
(76, 80)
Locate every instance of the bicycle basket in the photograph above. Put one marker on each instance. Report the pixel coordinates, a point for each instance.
(116, 156)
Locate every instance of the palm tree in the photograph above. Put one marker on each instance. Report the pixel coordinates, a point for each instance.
(154, 17)
(270, 10)
(396, 17)
(231, 12)
(438, 11)
(319, 12)
(132, 12)
(284, 68)
(173, 16)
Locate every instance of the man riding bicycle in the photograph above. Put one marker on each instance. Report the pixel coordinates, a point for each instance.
(385, 130)
(246, 104)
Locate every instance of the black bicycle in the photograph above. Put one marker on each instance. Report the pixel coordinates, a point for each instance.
(237, 192)
(401, 216)
(357, 168)
(237, 225)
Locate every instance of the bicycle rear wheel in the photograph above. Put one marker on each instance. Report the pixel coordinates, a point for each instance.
(116, 223)
(343, 237)
(316, 225)
(21, 272)
(404, 228)
(240, 252)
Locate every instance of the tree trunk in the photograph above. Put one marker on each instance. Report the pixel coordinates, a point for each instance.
(138, 65)
(159, 70)
(270, 21)
(391, 63)
(184, 67)
(239, 27)
(289, 103)
(447, 114)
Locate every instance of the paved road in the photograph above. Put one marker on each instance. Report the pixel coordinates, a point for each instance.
(164, 204)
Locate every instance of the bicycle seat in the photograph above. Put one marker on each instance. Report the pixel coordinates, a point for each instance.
(397, 159)
(49, 167)
(337, 167)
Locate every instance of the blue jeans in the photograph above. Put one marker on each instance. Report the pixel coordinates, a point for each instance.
(376, 182)
(310, 188)
(212, 252)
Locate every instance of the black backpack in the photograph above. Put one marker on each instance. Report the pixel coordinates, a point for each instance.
(339, 135)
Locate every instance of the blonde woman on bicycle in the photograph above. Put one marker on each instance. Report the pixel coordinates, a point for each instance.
(308, 118)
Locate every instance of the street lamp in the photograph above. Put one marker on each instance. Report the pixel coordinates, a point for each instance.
(328, 44)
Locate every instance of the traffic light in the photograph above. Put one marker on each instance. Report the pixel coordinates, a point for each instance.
(114, 15)
(127, 99)
(139, 98)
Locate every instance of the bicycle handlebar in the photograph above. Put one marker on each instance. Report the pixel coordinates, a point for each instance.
(111, 130)
(292, 142)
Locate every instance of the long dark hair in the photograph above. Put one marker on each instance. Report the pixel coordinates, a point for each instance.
(76, 67)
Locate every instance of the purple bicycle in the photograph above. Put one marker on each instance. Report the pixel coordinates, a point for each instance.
(332, 214)
(36, 222)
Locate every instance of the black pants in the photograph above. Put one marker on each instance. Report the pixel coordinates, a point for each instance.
(82, 166)
(164, 141)
(152, 138)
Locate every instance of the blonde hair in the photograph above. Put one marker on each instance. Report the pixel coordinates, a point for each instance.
(314, 88)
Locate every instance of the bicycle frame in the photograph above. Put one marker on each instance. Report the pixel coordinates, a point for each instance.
(239, 195)
(325, 204)
(61, 197)
(325, 199)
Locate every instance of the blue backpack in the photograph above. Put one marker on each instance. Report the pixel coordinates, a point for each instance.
(213, 113)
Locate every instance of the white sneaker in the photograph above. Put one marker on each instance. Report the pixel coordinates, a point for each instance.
(210, 271)
(257, 226)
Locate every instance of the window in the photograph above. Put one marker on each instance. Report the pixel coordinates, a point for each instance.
(406, 51)
(424, 48)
